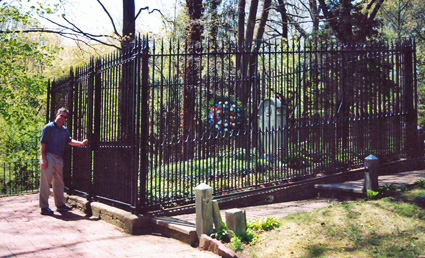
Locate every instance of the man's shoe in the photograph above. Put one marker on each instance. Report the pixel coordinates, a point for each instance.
(46, 211)
(64, 208)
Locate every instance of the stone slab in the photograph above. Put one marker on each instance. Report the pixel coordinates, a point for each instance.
(339, 187)
(175, 228)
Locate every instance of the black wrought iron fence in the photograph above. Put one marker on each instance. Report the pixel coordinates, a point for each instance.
(19, 177)
(162, 118)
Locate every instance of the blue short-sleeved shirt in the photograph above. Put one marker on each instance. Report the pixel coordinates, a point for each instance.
(55, 138)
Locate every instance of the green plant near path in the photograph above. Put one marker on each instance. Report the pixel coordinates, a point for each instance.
(265, 224)
(249, 237)
(421, 183)
(221, 232)
(385, 191)
(254, 228)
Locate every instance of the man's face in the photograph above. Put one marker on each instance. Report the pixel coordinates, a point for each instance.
(61, 118)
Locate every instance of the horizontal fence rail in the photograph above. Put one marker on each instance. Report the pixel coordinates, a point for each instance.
(19, 177)
(162, 118)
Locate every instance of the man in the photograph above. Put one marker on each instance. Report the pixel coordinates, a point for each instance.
(54, 136)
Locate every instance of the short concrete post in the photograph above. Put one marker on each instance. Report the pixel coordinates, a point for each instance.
(371, 164)
(203, 201)
(216, 214)
(236, 221)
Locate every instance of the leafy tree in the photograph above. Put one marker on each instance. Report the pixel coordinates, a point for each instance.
(23, 59)
(348, 20)
(406, 18)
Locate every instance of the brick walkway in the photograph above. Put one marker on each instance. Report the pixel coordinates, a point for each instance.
(26, 233)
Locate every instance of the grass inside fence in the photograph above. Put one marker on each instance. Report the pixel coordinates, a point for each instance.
(232, 170)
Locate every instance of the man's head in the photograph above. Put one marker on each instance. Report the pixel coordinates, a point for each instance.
(61, 116)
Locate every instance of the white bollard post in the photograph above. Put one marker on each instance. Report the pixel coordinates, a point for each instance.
(203, 201)
(371, 164)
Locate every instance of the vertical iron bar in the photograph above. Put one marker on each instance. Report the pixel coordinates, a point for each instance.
(411, 115)
(144, 134)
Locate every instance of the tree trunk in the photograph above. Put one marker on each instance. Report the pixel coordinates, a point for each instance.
(129, 24)
(213, 21)
(284, 15)
(314, 12)
(127, 80)
(191, 75)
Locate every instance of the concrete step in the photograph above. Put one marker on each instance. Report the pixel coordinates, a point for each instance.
(175, 228)
(340, 191)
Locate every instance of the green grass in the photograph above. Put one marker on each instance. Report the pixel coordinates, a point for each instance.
(389, 227)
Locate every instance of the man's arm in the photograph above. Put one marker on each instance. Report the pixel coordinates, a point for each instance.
(43, 159)
(78, 143)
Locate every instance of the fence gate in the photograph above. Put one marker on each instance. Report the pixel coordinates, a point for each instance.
(99, 97)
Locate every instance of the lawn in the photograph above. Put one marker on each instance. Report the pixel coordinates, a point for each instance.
(392, 226)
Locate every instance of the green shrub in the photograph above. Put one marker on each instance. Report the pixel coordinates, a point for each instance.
(421, 183)
(385, 191)
(221, 232)
(236, 244)
(265, 224)
(249, 237)
(371, 195)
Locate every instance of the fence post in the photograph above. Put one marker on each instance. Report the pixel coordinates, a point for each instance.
(371, 164)
(97, 103)
(67, 172)
(144, 124)
(92, 141)
(51, 114)
(411, 144)
(49, 92)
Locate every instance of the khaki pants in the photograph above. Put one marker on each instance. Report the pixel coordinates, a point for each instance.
(53, 174)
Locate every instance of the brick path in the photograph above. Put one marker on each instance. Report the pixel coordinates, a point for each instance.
(26, 233)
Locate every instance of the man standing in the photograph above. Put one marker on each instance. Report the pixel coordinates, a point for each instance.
(54, 136)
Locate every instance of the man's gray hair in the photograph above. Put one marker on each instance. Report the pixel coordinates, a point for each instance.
(62, 109)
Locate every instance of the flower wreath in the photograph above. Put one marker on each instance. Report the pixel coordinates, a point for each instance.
(224, 116)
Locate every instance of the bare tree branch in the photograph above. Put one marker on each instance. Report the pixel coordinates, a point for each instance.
(77, 30)
(150, 12)
(419, 34)
(375, 9)
(74, 35)
(369, 5)
(110, 18)
(298, 27)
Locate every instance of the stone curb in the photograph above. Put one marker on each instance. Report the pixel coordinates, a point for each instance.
(213, 245)
(127, 221)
